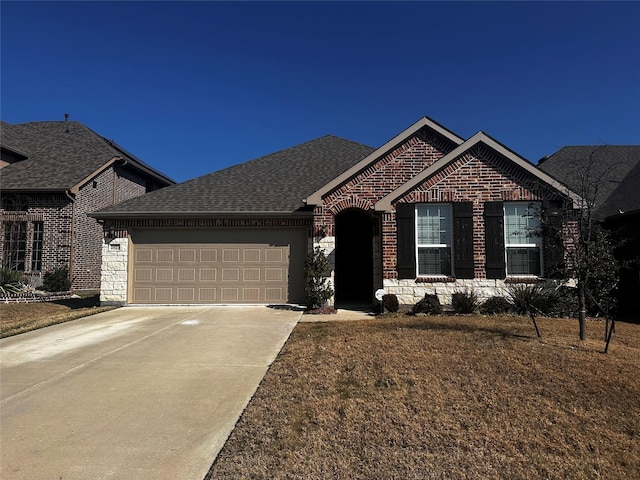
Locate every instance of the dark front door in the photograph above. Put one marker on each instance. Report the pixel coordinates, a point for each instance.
(354, 257)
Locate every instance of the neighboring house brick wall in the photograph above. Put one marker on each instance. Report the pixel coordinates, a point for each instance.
(55, 212)
(95, 194)
(128, 185)
(112, 184)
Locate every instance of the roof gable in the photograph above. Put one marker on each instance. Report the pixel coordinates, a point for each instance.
(385, 203)
(425, 122)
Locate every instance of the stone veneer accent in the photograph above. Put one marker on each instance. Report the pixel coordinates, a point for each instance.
(410, 292)
(113, 279)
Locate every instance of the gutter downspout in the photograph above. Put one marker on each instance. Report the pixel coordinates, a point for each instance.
(72, 240)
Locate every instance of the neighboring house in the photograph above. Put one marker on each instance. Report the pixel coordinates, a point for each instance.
(51, 175)
(426, 212)
(608, 175)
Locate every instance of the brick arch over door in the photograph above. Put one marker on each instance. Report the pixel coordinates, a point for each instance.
(354, 283)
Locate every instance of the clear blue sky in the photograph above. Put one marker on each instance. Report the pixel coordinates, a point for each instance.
(192, 87)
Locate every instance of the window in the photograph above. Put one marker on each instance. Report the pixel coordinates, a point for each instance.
(522, 240)
(36, 246)
(433, 239)
(15, 245)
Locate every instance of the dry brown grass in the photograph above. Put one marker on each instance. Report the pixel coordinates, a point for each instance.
(443, 397)
(18, 318)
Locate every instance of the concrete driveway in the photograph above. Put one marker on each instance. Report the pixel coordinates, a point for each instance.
(133, 393)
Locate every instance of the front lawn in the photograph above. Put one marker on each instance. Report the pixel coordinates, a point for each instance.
(18, 318)
(460, 397)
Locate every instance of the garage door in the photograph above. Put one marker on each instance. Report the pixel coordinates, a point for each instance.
(194, 266)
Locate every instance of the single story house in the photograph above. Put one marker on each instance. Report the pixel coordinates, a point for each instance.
(52, 174)
(427, 212)
(608, 176)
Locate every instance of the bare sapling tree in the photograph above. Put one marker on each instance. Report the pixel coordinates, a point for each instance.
(588, 249)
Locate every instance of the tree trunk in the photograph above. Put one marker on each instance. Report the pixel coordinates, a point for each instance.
(582, 315)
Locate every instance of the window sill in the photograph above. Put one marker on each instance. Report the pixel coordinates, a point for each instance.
(524, 279)
(435, 280)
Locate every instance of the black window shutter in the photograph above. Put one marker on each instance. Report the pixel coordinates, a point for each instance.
(463, 239)
(494, 239)
(552, 239)
(406, 238)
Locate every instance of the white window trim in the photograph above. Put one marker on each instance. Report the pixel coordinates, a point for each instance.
(433, 245)
(508, 245)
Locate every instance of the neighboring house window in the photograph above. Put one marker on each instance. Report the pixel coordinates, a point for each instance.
(433, 239)
(15, 203)
(36, 246)
(15, 245)
(522, 238)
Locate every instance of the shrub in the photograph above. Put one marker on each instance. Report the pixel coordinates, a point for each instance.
(429, 304)
(316, 271)
(56, 280)
(390, 302)
(495, 305)
(465, 302)
(566, 304)
(10, 281)
(538, 298)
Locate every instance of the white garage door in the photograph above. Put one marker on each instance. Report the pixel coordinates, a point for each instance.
(207, 266)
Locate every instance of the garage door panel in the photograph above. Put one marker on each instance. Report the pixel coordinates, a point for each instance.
(208, 255)
(196, 266)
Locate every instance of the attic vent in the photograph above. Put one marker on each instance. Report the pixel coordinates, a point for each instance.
(66, 123)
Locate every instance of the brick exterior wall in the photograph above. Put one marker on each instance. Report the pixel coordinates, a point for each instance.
(87, 251)
(56, 211)
(478, 176)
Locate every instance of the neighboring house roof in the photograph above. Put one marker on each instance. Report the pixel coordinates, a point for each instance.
(384, 203)
(613, 169)
(61, 156)
(274, 184)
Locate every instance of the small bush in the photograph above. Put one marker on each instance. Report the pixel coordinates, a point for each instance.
(390, 302)
(495, 306)
(11, 281)
(429, 304)
(316, 271)
(538, 298)
(465, 302)
(56, 280)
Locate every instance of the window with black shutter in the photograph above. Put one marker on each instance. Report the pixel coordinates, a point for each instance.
(494, 239)
(463, 239)
(405, 238)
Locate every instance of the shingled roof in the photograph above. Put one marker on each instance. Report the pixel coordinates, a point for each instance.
(615, 170)
(60, 155)
(274, 184)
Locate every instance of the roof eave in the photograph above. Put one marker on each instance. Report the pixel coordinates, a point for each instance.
(191, 215)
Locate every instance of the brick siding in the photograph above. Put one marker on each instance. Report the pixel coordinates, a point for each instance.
(478, 176)
(56, 211)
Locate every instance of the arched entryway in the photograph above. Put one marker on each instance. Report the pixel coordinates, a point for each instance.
(354, 257)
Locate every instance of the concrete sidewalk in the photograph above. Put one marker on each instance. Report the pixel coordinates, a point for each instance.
(134, 393)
